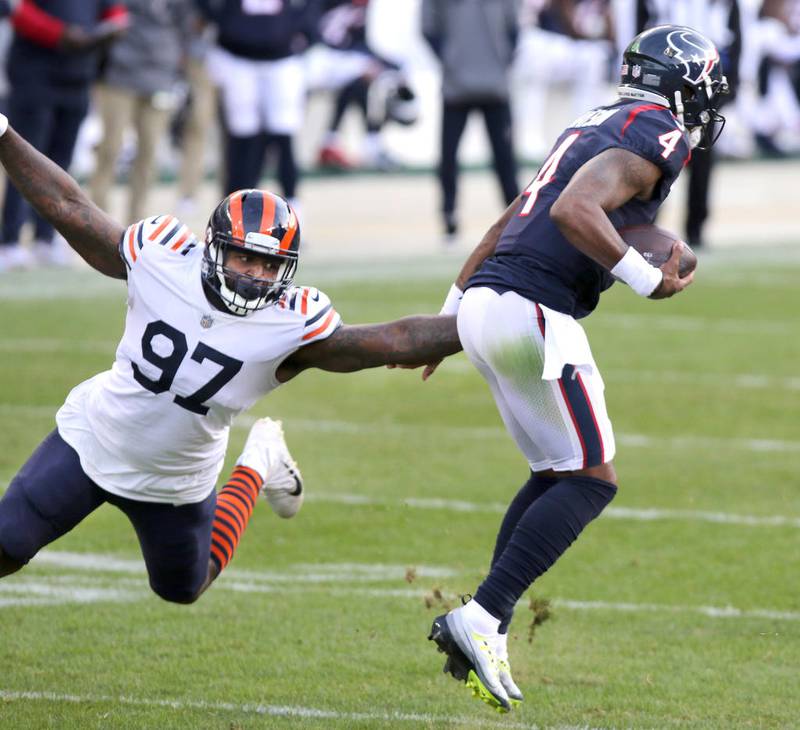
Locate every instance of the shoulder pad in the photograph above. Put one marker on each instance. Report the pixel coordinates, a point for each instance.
(162, 230)
(320, 319)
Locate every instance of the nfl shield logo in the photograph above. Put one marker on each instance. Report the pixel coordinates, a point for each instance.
(206, 321)
(636, 71)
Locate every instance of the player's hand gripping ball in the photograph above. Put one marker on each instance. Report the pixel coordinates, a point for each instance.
(655, 245)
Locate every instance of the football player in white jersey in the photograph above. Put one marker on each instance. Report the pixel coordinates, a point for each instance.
(210, 328)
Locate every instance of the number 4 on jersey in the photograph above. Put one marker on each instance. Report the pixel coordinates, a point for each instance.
(669, 141)
(546, 173)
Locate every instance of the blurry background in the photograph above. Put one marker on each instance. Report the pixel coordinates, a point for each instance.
(359, 53)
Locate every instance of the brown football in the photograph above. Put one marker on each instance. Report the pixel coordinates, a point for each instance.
(655, 244)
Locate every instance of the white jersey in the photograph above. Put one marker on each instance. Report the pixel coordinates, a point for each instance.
(155, 427)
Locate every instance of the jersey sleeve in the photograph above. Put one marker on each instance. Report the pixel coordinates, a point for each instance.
(320, 319)
(652, 132)
(162, 230)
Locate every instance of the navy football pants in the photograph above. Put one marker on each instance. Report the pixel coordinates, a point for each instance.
(51, 494)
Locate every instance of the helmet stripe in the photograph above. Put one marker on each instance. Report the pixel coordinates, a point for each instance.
(235, 208)
(291, 229)
(267, 213)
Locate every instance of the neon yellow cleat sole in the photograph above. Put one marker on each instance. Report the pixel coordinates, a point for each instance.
(480, 692)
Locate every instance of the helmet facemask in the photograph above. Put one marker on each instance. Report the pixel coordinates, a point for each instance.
(240, 292)
(251, 223)
(696, 108)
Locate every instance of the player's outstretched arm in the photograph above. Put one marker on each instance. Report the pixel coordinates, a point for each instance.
(409, 341)
(485, 248)
(58, 198)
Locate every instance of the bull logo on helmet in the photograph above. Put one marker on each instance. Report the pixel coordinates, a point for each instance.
(704, 56)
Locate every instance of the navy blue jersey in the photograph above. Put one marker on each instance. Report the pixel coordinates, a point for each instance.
(533, 258)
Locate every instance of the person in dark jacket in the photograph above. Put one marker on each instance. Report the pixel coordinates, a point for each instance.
(474, 40)
(51, 64)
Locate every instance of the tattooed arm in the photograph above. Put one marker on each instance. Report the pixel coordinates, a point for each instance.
(58, 198)
(408, 341)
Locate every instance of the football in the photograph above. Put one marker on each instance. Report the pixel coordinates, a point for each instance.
(655, 244)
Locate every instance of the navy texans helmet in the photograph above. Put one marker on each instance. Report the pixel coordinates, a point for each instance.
(677, 67)
(263, 224)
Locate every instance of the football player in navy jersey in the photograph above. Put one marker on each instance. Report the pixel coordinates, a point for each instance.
(539, 269)
(209, 329)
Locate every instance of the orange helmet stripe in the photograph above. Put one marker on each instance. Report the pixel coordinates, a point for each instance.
(131, 247)
(237, 224)
(291, 229)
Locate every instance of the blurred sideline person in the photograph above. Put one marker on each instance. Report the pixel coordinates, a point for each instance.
(539, 269)
(138, 88)
(778, 103)
(257, 65)
(209, 330)
(199, 116)
(345, 63)
(51, 65)
(474, 41)
(720, 21)
(565, 42)
(5, 44)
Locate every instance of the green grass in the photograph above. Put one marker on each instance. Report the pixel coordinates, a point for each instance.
(321, 621)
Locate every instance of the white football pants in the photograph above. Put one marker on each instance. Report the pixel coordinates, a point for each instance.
(259, 96)
(560, 423)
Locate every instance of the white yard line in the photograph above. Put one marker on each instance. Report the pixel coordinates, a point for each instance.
(618, 513)
(36, 589)
(649, 514)
(633, 440)
(286, 711)
(708, 326)
(46, 345)
(300, 572)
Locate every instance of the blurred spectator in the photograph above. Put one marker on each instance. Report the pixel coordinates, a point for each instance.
(720, 21)
(199, 114)
(138, 87)
(51, 65)
(346, 64)
(258, 69)
(474, 40)
(564, 42)
(5, 43)
(778, 77)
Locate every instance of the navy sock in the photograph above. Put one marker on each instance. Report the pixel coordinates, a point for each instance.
(534, 488)
(543, 533)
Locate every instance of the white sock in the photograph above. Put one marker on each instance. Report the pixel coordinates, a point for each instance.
(480, 619)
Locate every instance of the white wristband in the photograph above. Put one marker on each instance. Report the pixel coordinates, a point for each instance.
(3, 124)
(452, 300)
(637, 273)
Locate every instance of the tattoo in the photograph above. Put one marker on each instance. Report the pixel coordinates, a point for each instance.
(414, 340)
(58, 198)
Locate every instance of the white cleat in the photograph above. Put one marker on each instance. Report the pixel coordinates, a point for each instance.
(266, 452)
(471, 658)
(504, 669)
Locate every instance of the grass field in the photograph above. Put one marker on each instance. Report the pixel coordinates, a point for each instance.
(679, 607)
